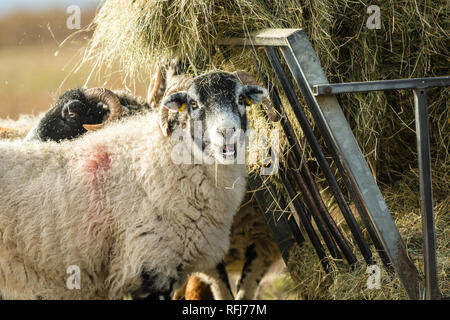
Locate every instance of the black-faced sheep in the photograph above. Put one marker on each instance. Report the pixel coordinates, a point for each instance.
(78, 109)
(114, 204)
(252, 248)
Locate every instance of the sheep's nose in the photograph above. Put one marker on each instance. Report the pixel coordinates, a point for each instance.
(227, 133)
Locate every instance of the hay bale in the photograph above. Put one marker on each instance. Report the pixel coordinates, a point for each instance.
(413, 42)
(140, 33)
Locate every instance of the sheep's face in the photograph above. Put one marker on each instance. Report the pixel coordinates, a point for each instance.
(66, 118)
(216, 104)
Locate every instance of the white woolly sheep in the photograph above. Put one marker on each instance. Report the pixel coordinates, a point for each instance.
(114, 204)
(18, 129)
(252, 249)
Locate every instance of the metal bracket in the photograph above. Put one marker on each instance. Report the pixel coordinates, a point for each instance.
(383, 85)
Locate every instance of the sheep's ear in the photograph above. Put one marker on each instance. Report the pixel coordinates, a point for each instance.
(176, 101)
(255, 93)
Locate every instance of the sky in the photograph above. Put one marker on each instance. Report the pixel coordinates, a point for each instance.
(10, 6)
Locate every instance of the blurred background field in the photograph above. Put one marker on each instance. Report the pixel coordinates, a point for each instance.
(34, 68)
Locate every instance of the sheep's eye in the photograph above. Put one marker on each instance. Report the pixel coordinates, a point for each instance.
(72, 114)
(194, 104)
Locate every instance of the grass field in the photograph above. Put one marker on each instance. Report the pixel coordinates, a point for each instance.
(34, 70)
(32, 77)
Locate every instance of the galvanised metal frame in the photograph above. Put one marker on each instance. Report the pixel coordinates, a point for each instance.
(332, 124)
(419, 85)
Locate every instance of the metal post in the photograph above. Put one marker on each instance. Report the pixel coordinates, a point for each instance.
(426, 194)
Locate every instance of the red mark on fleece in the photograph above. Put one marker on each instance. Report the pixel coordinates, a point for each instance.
(97, 161)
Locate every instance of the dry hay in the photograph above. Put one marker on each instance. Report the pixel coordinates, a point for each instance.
(413, 42)
(346, 283)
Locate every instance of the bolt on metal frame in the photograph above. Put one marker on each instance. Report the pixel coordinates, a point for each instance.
(331, 122)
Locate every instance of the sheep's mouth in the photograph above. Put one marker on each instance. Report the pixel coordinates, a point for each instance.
(224, 153)
(228, 151)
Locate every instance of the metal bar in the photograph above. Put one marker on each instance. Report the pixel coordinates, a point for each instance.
(290, 94)
(329, 221)
(281, 229)
(303, 218)
(266, 37)
(311, 184)
(331, 121)
(397, 84)
(318, 218)
(334, 150)
(426, 194)
(310, 191)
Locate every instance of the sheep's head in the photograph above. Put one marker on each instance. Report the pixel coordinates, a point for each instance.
(75, 112)
(216, 104)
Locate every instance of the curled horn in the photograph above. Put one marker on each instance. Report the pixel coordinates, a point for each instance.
(248, 79)
(154, 86)
(179, 83)
(109, 98)
(164, 120)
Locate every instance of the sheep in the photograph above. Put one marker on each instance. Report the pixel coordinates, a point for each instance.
(79, 109)
(251, 254)
(249, 247)
(113, 203)
(252, 248)
(65, 118)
